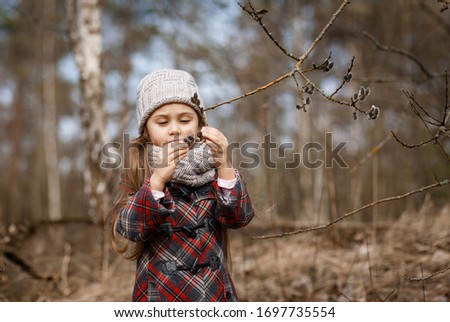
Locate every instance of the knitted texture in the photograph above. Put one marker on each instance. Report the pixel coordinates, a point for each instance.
(195, 169)
(166, 86)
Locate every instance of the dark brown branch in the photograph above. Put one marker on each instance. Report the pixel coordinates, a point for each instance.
(25, 266)
(353, 212)
(259, 89)
(400, 52)
(322, 33)
(412, 99)
(346, 78)
(328, 97)
(394, 79)
(442, 271)
(442, 22)
(443, 129)
(297, 66)
(417, 145)
(446, 115)
(257, 16)
(390, 294)
(431, 133)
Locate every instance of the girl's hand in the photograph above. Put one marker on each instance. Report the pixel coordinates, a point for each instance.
(219, 148)
(166, 162)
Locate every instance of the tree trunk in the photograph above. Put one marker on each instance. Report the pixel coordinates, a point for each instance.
(85, 34)
(49, 105)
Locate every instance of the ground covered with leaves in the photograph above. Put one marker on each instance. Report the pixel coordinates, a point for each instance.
(406, 260)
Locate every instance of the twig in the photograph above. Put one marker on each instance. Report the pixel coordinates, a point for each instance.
(435, 16)
(259, 89)
(431, 121)
(394, 79)
(297, 67)
(348, 299)
(417, 145)
(438, 18)
(319, 37)
(412, 100)
(422, 278)
(26, 267)
(257, 16)
(400, 52)
(390, 294)
(346, 78)
(371, 153)
(427, 123)
(353, 212)
(446, 114)
(328, 97)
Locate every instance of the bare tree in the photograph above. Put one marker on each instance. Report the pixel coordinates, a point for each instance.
(49, 105)
(86, 38)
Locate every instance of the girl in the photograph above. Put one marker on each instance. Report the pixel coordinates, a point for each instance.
(178, 196)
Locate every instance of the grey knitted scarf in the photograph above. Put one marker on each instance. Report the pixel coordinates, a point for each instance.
(195, 169)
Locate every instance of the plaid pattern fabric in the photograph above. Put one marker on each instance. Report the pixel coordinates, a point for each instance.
(184, 258)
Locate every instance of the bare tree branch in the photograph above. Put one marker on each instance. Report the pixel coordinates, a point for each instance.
(353, 212)
(400, 52)
(435, 15)
(322, 33)
(430, 121)
(393, 79)
(346, 79)
(446, 114)
(415, 106)
(329, 97)
(259, 89)
(297, 67)
(424, 278)
(417, 145)
(257, 16)
(371, 153)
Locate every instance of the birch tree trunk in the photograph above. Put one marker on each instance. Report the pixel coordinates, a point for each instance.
(86, 38)
(49, 106)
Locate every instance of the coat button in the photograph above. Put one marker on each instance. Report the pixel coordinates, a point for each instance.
(228, 295)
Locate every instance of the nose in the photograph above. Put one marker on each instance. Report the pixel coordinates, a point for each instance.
(174, 129)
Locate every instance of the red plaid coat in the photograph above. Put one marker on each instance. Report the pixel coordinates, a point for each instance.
(183, 258)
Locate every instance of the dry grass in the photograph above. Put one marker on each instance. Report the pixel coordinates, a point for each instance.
(314, 267)
(346, 263)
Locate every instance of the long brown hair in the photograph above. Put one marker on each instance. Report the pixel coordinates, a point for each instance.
(135, 171)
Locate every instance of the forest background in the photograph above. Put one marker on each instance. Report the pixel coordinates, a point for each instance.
(371, 224)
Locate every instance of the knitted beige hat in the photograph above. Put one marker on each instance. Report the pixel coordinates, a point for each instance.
(166, 86)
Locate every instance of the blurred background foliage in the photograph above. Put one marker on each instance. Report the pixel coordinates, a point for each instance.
(229, 55)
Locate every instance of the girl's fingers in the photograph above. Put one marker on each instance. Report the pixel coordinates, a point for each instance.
(215, 139)
(213, 135)
(172, 154)
(215, 147)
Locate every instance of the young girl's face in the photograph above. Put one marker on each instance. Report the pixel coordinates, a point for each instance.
(172, 122)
